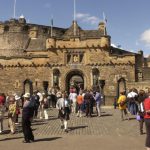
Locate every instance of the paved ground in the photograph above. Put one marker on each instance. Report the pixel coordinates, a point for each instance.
(103, 133)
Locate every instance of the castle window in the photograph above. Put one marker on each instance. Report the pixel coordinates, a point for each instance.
(28, 87)
(56, 75)
(95, 74)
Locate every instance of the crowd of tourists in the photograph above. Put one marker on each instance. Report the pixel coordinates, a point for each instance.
(82, 104)
(136, 103)
(33, 106)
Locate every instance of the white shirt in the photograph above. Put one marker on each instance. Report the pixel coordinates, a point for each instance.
(40, 96)
(132, 94)
(73, 97)
(60, 103)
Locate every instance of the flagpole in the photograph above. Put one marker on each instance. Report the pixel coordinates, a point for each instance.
(74, 10)
(74, 17)
(51, 26)
(14, 8)
(105, 21)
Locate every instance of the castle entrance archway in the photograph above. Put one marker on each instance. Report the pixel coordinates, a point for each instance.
(75, 81)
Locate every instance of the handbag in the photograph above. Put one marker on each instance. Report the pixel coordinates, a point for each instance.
(123, 103)
(138, 117)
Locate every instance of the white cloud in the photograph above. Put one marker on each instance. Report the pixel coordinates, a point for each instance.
(87, 18)
(145, 38)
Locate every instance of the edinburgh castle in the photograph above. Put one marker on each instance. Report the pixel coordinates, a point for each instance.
(40, 57)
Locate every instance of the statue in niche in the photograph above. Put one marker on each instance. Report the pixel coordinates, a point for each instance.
(95, 80)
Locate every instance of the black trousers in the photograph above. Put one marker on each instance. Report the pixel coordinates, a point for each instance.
(36, 110)
(141, 122)
(147, 125)
(27, 131)
(89, 108)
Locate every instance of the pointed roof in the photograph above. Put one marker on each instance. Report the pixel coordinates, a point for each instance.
(74, 30)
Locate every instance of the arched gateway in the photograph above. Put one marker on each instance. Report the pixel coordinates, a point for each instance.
(75, 79)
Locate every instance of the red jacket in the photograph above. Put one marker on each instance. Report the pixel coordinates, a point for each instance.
(147, 107)
(2, 100)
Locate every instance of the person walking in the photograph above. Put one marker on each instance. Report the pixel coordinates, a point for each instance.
(98, 101)
(45, 106)
(140, 115)
(12, 114)
(2, 111)
(147, 120)
(88, 98)
(17, 101)
(79, 104)
(122, 105)
(27, 114)
(63, 106)
(41, 104)
(73, 99)
(35, 98)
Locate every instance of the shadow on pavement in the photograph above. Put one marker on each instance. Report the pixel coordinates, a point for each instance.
(77, 127)
(12, 138)
(47, 139)
(106, 115)
(39, 123)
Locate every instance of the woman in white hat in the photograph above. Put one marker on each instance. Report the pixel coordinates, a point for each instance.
(27, 114)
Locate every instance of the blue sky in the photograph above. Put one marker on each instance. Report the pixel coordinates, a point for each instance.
(128, 21)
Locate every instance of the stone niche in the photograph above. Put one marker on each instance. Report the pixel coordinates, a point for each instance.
(33, 33)
(50, 43)
(2, 28)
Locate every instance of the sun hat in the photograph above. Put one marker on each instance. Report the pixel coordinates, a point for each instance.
(26, 95)
(17, 97)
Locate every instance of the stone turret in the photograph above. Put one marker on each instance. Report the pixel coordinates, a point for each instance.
(102, 28)
(50, 43)
(22, 19)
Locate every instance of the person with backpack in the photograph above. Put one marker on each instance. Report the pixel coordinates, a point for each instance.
(140, 115)
(122, 105)
(35, 98)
